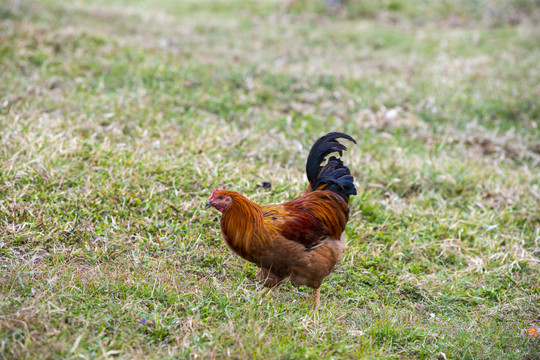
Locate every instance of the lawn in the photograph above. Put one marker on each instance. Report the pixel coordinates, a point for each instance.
(119, 118)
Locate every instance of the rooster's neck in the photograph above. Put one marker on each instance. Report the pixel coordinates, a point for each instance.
(241, 223)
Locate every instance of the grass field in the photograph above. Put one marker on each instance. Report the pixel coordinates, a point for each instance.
(118, 118)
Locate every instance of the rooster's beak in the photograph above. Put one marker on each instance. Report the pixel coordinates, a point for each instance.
(208, 205)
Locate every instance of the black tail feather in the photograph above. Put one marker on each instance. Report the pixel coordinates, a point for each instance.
(333, 176)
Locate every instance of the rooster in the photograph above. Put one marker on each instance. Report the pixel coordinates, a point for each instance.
(299, 240)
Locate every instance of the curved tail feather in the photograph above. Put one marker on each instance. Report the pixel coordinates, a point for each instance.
(333, 176)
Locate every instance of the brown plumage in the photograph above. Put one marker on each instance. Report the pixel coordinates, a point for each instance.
(298, 240)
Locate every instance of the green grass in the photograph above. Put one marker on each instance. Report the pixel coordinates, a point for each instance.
(119, 118)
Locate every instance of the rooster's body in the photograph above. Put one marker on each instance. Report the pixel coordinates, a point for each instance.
(300, 239)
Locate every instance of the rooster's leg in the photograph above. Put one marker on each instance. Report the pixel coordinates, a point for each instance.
(316, 298)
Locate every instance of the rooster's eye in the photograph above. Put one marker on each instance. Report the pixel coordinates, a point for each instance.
(220, 198)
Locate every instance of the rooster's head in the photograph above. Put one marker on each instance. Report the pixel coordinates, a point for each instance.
(219, 200)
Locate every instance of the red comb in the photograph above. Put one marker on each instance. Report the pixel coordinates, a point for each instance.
(214, 194)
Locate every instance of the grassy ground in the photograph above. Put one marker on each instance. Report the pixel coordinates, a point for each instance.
(119, 118)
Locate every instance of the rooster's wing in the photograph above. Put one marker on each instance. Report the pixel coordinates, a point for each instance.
(309, 219)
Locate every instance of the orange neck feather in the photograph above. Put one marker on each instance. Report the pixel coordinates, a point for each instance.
(241, 224)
